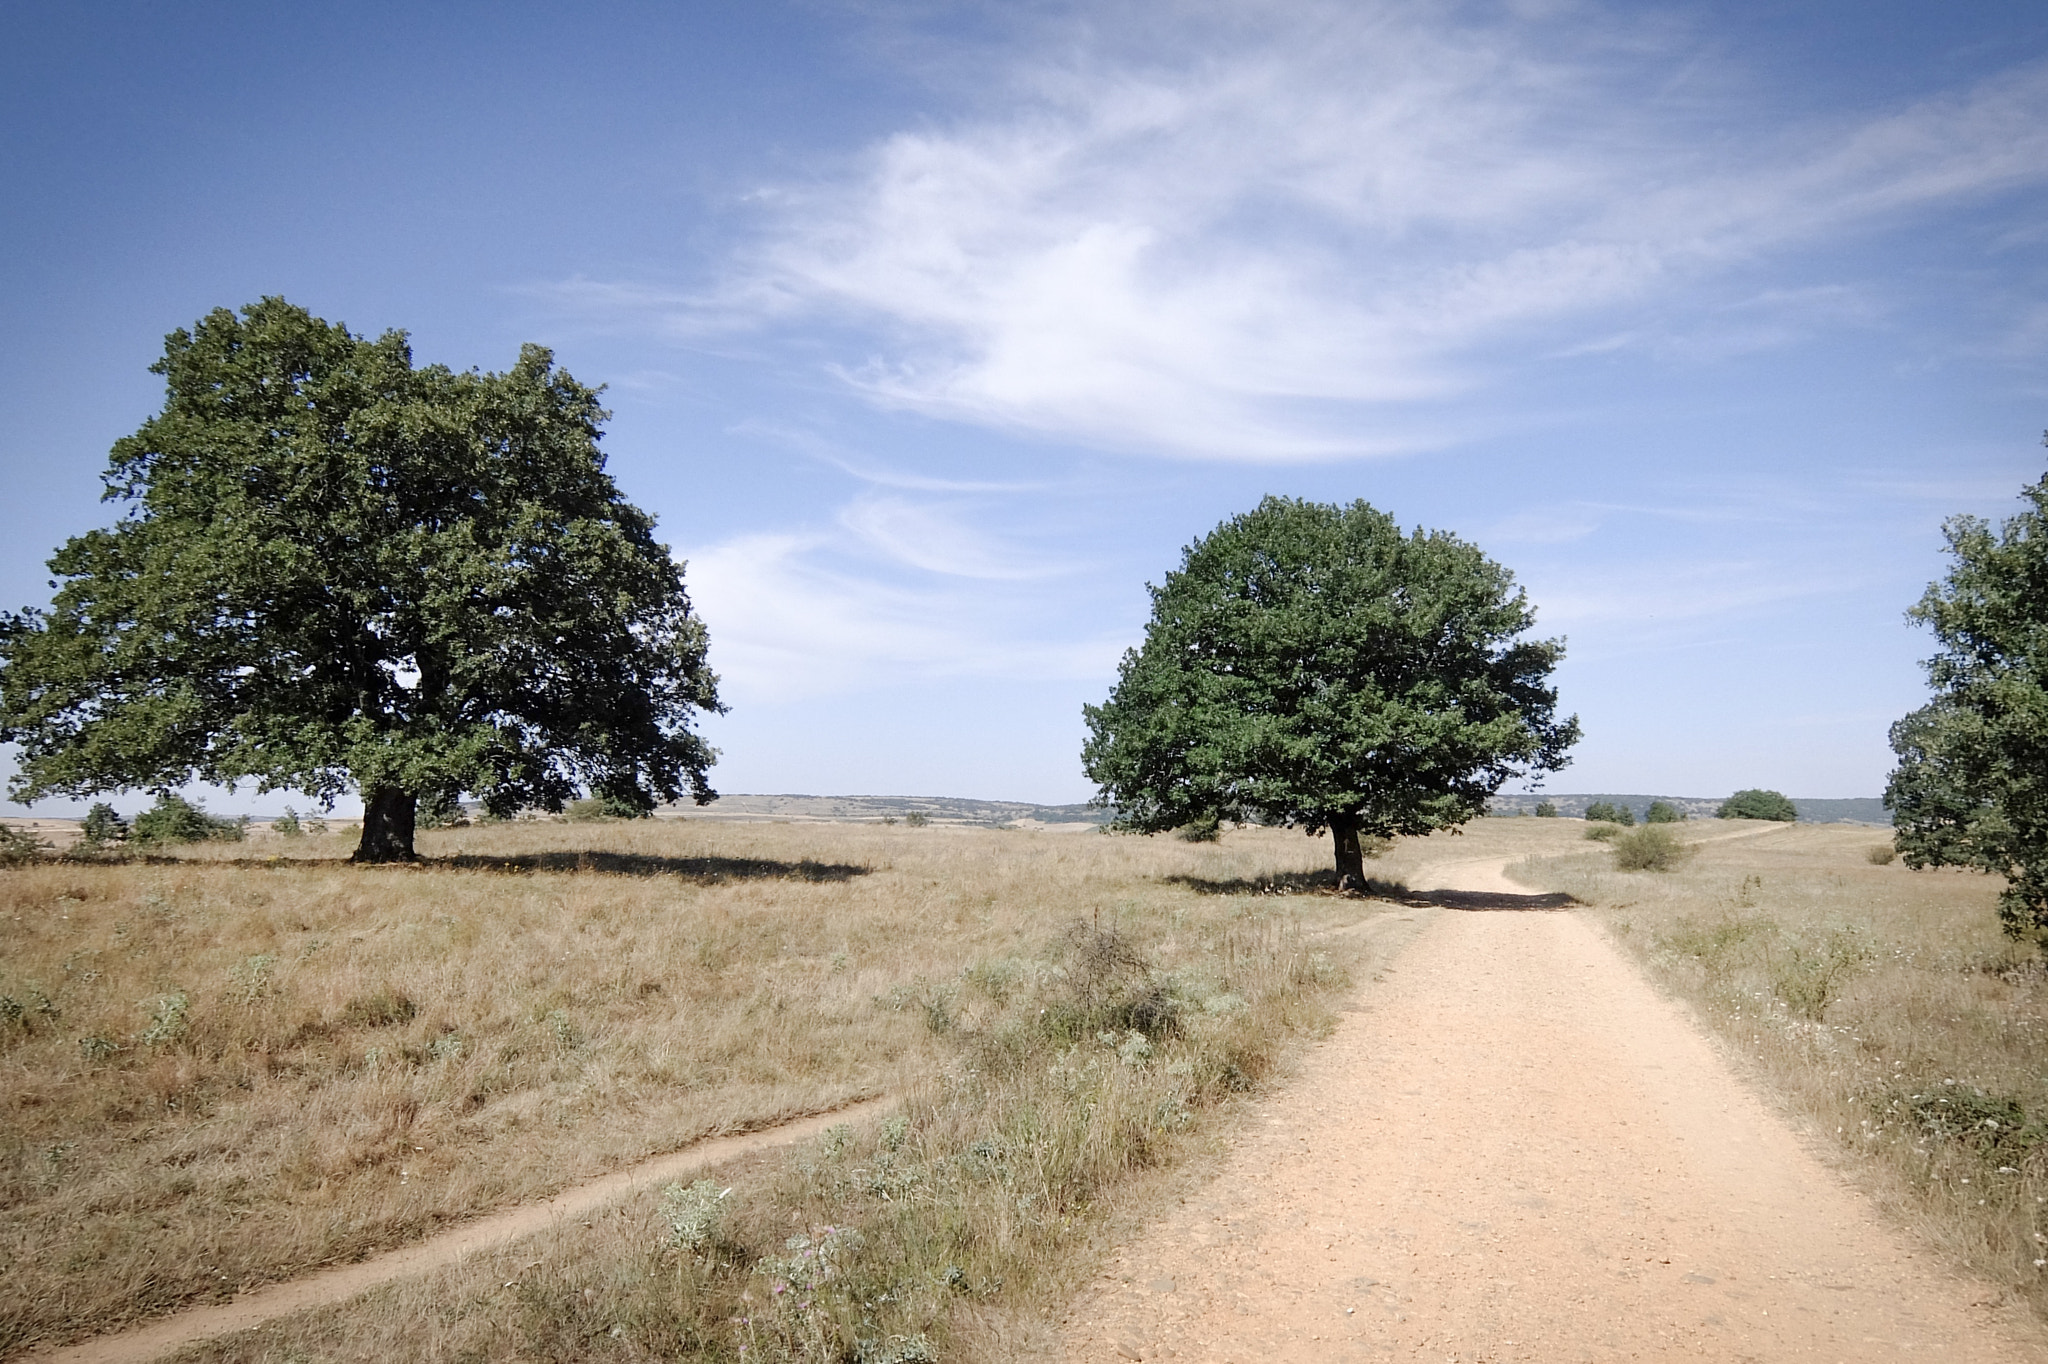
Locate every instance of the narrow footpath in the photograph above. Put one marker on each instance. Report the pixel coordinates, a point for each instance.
(1513, 1149)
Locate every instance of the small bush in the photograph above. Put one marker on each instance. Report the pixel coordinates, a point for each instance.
(595, 810)
(1880, 854)
(1809, 978)
(1604, 833)
(1206, 829)
(1607, 813)
(287, 824)
(19, 845)
(1652, 848)
(1546, 809)
(103, 828)
(1110, 987)
(1756, 804)
(173, 819)
(917, 819)
(1663, 812)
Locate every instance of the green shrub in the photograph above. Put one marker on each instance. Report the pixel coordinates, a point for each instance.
(1606, 813)
(1207, 829)
(917, 819)
(1603, 832)
(19, 845)
(1663, 812)
(594, 810)
(1546, 809)
(1756, 804)
(1652, 848)
(1809, 977)
(102, 828)
(1880, 854)
(173, 819)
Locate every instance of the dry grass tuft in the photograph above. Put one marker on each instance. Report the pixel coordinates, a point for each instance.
(224, 1070)
(1884, 1004)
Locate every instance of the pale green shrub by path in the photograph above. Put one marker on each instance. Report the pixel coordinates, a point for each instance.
(227, 1068)
(1886, 1005)
(1651, 848)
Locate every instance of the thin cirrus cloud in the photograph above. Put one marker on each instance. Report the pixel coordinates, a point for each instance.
(930, 538)
(1305, 245)
(787, 624)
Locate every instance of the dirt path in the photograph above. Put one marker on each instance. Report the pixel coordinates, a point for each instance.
(157, 1338)
(1513, 1149)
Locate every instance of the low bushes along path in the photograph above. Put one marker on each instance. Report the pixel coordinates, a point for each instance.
(1513, 1149)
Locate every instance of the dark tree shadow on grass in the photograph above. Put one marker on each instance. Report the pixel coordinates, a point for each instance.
(641, 864)
(1325, 883)
(706, 870)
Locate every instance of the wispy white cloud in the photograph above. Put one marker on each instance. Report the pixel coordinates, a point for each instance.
(866, 468)
(1309, 229)
(1680, 595)
(789, 620)
(934, 538)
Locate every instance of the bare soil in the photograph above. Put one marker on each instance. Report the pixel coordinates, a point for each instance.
(1512, 1148)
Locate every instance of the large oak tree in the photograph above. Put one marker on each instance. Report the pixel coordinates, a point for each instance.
(1311, 665)
(1971, 787)
(336, 569)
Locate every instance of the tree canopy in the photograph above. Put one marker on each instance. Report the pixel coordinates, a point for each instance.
(1311, 665)
(1758, 804)
(336, 569)
(1971, 786)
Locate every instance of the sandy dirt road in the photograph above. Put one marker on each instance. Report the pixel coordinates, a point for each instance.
(1513, 1149)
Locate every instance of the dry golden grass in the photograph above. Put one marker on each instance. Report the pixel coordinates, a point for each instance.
(1883, 1004)
(225, 1069)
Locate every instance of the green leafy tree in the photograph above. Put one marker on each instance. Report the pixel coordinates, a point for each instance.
(339, 570)
(1546, 809)
(1971, 786)
(20, 845)
(1757, 804)
(103, 827)
(1606, 812)
(1310, 665)
(1663, 812)
(173, 819)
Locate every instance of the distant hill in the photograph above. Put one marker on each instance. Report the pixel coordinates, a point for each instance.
(996, 814)
(955, 810)
(1812, 810)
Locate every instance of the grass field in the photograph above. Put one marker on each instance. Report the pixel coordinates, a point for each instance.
(225, 1069)
(229, 1067)
(1882, 1003)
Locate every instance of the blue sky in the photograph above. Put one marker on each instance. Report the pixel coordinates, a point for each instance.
(934, 332)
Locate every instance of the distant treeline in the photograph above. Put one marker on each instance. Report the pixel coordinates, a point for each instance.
(1812, 810)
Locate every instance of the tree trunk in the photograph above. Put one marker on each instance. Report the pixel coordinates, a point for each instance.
(388, 816)
(1350, 859)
